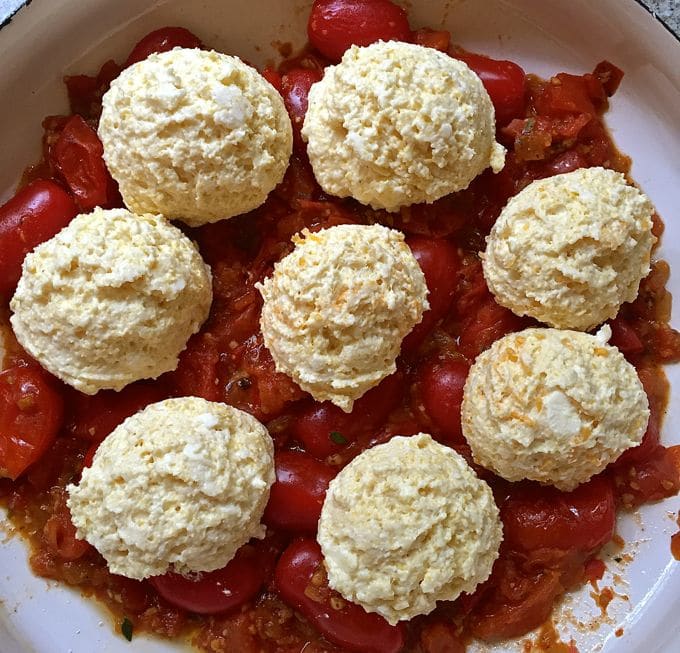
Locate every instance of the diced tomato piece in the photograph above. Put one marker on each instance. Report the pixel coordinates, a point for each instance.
(441, 390)
(223, 589)
(35, 214)
(31, 410)
(301, 582)
(335, 25)
(297, 495)
(162, 40)
(537, 517)
(431, 38)
(78, 156)
(609, 75)
(504, 81)
(85, 92)
(567, 93)
(295, 85)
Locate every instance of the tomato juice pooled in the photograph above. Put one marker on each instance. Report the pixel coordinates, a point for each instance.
(552, 538)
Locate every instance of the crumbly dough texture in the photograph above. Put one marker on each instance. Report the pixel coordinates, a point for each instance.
(396, 124)
(407, 524)
(570, 249)
(552, 406)
(194, 135)
(179, 486)
(111, 299)
(338, 306)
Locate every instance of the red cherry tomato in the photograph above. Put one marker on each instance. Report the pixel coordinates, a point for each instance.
(440, 263)
(324, 429)
(544, 518)
(487, 325)
(35, 214)
(78, 156)
(335, 25)
(223, 589)
(31, 412)
(94, 417)
(162, 40)
(295, 85)
(301, 582)
(297, 495)
(442, 385)
(504, 81)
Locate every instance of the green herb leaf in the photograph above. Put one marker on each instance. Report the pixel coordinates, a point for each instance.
(338, 437)
(126, 629)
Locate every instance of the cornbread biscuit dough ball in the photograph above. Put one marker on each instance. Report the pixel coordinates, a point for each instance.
(396, 124)
(338, 306)
(552, 406)
(181, 485)
(407, 524)
(194, 135)
(569, 250)
(111, 299)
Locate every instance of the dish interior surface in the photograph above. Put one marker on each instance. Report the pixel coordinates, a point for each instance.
(48, 39)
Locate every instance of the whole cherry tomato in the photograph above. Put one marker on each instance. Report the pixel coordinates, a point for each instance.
(297, 495)
(504, 81)
(441, 383)
(300, 580)
(295, 85)
(335, 25)
(537, 517)
(324, 429)
(35, 214)
(223, 589)
(162, 40)
(78, 156)
(31, 412)
(439, 261)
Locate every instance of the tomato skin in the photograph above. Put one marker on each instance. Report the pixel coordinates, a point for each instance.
(31, 411)
(223, 589)
(78, 156)
(504, 81)
(59, 532)
(35, 214)
(299, 570)
(625, 338)
(335, 25)
(439, 261)
(430, 38)
(295, 85)
(544, 518)
(442, 384)
(162, 40)
(297, 495)
(315, 422)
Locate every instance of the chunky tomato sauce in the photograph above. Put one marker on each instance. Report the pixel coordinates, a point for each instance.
(279, 600)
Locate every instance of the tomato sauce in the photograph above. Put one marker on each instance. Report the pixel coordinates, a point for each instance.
(552, 538)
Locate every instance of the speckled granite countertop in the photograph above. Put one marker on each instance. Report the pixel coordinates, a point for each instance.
(666, 10)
